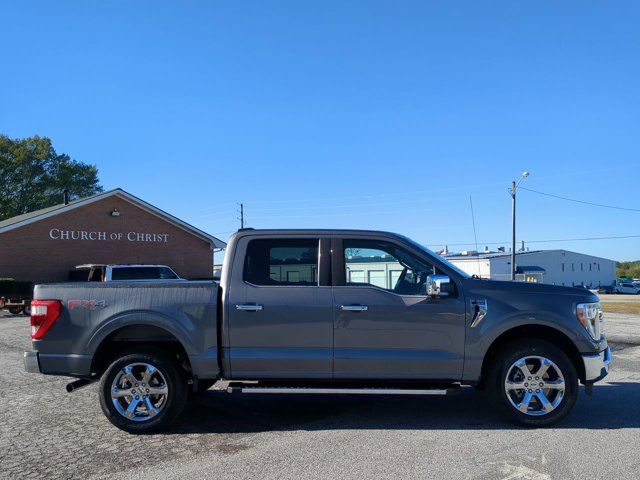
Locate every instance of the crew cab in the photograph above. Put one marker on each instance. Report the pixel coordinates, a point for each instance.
(321, 311)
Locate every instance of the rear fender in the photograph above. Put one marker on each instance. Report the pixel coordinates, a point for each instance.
(143, 317)
(203, 358)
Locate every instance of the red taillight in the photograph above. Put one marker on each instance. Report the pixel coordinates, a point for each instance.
(43, 314)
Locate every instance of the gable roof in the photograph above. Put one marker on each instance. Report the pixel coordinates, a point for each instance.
(27, 218)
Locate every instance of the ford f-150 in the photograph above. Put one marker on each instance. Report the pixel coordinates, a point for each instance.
(321, 311)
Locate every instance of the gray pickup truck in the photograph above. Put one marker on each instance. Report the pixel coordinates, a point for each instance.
(321, 311)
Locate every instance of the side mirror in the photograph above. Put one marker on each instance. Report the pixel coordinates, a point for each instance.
(439, 286)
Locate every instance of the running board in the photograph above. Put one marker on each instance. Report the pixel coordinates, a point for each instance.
(343, 391)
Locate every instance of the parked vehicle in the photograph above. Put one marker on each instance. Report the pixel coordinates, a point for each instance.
(606, 289)
(628, 287)
(15, 296)
(130, 273)
(294, 313)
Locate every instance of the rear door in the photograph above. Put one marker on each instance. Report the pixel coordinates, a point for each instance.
(280, 308)
(386, 327)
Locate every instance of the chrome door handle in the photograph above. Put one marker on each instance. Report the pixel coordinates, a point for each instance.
(249, 307)
(354, 308)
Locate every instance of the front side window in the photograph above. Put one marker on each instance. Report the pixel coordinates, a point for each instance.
(282, 262)
(384, 265)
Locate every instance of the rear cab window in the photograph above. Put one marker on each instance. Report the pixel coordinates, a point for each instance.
(282, 262)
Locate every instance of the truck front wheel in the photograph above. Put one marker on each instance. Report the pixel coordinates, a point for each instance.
(534, 382)
(142, 392)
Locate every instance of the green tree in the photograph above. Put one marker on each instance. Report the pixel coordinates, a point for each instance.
(34, 176)
(628, 269)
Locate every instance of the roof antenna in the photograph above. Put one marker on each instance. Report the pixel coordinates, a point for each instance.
(475, 237)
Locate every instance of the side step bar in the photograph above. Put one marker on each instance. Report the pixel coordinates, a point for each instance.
(344, 391)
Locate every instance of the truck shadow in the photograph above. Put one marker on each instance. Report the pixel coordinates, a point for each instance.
(614, 405)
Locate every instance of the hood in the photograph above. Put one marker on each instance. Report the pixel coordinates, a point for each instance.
(510, 289)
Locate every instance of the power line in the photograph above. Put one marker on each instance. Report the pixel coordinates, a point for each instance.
(540, 241)
(580, 201)
(368, 196)
(345, 214)
(223, 233)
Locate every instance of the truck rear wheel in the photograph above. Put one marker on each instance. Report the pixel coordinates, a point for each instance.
(533, 382)
(142, 392)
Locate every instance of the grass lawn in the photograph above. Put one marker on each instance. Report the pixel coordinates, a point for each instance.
(621, 307)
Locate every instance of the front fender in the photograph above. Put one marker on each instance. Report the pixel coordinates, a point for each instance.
(481, 338)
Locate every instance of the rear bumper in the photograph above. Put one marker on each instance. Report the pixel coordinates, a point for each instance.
(596, 367)
(70, 365)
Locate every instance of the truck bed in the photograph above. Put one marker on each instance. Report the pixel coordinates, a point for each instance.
(93, 312)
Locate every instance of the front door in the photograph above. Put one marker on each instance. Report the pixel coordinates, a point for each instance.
(385, 326)
(280, 310)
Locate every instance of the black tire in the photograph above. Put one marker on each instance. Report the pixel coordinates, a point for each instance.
(173, 401)
(500, 368)
(15, 310)
(26, 310)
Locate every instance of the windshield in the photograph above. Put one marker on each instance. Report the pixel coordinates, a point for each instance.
(435, 255)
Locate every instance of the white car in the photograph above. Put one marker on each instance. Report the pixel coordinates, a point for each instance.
(129, 273)
(628, 287)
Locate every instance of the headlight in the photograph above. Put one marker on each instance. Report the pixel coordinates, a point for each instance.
(590, 316)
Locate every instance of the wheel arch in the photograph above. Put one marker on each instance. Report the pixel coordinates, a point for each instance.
(537, 332)
(151, 332)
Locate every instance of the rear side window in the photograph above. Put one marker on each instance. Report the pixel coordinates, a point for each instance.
(137, 273)
(167, 274)
(282, 262)
(96, 274)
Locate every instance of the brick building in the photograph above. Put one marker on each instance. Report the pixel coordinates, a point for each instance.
(109, 227)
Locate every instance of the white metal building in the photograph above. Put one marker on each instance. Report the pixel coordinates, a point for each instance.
(555, 267)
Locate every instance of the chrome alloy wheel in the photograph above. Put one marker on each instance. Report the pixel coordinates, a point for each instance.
(534, 385)
(139, 392)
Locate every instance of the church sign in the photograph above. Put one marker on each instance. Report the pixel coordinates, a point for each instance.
(59, 234)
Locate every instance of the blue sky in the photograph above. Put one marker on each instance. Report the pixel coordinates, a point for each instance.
(370, 114)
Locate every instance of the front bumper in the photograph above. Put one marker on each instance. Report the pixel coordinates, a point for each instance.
(596, 367)
(31, 362)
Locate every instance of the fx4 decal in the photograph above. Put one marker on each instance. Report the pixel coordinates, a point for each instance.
(88, 304)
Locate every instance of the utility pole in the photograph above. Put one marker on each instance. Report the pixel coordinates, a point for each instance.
(241, 215)
(513, 231)
(513, 191)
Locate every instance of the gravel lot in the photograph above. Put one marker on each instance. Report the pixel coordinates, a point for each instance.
(47, 433)
(619, 298)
